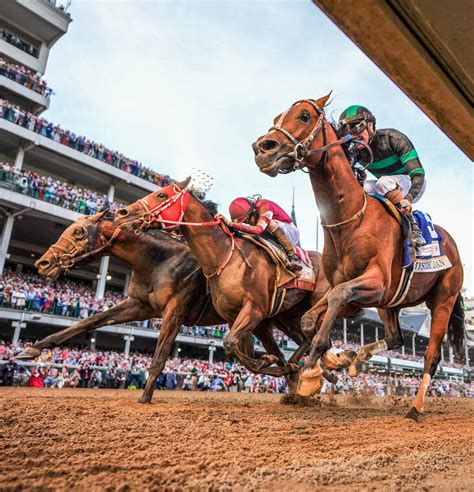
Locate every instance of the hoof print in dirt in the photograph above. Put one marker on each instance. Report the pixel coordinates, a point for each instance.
(307, 401)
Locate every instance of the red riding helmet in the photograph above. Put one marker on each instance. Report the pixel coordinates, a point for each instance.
(240, 209)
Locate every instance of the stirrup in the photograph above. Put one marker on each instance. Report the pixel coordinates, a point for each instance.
(295, 264)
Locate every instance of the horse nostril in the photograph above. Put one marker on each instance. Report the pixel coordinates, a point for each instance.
(123, 212)
(267, 145)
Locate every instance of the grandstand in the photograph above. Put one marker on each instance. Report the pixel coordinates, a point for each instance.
(31, 220)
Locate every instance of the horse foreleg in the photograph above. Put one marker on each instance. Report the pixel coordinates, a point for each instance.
(393, 339)
(367, 288)
(168, 333)
(127, 310)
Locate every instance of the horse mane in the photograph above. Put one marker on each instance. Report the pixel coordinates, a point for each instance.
(209, 205)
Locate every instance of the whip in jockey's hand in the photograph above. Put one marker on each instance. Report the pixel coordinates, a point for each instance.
(256, 215)
(400, 175)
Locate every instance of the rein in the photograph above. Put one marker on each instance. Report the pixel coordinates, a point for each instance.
(153, 214)
(301, 149)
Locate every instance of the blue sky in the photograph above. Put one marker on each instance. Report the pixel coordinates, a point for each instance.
(179, 85)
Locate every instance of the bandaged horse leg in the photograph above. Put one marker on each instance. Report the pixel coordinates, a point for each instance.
(440, 319)
(393, 339)
(367, 288)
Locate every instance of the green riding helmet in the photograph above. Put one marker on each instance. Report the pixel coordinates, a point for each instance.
(354, 119)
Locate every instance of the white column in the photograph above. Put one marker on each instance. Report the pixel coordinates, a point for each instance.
(6, 236)
(18, 325)
(211, 349)
(376, 333)
(344, 330)
(93, 341)
(466, 354)
(19, 158)
(451, 355)
(413, 348)
(361, 334)
(442, 353)
(128, 341)
(111, 192)
(403, 349)
(102, 277)
(127, 283)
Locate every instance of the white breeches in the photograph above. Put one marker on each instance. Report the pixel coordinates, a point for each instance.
(291, 231)
(385, 184)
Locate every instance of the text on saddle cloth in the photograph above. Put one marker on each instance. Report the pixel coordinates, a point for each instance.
(428, 258)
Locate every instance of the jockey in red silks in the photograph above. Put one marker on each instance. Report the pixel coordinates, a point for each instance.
(256, 215)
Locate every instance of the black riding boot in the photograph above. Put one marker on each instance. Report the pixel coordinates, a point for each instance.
(416, 235)
(280, 236)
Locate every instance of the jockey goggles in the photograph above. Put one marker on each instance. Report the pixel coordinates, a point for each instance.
(354, 127)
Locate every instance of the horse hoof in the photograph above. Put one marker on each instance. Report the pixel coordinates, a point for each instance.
(29, 353)
(144, 400)
(347, 357)
(269, 359)
(293, 399)
(329, 376)
(355, 368)
(413, 414)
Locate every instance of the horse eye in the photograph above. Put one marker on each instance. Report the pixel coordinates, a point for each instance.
(305, 116)
(162, 195)
(79, 233)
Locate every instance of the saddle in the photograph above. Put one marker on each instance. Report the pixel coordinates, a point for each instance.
(426, 259)
(285, 277)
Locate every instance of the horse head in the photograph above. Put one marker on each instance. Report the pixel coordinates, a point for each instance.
(293, 134)
(79, 242)
(155, 209)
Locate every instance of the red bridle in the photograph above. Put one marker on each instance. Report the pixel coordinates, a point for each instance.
(170, 214)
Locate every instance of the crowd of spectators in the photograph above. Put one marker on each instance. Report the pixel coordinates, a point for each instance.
(71, 367)
(54, 191)
(63, 297)
(30, 292)
(25, 77)
(45, 128)
(19, 43)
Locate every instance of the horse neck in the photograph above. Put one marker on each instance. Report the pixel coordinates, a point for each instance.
(338, 194)
(126, 246)
(209, 244)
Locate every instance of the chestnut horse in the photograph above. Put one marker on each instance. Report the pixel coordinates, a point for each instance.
(362, 255)
(241, 277)
(166, 282)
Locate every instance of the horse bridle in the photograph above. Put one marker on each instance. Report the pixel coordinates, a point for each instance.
(67, 259)
(301, 149)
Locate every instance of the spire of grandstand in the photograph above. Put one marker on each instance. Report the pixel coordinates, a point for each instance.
(293, 214)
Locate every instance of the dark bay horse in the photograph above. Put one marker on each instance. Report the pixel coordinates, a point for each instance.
(166, 282)
(362, 255)
(240, 275)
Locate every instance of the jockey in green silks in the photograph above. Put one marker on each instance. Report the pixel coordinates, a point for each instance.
(396, 165)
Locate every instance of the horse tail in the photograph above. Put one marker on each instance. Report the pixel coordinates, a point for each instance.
(456, 332)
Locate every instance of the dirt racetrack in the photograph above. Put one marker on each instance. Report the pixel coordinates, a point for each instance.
(103, 440)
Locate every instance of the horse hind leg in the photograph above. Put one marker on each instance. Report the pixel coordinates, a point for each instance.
(439, 326)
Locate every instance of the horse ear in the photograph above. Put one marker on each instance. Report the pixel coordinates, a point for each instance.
(97, 217)
(183, 184)
(322, 101)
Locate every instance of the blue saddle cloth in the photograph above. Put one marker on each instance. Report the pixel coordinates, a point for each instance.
(432, 249)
